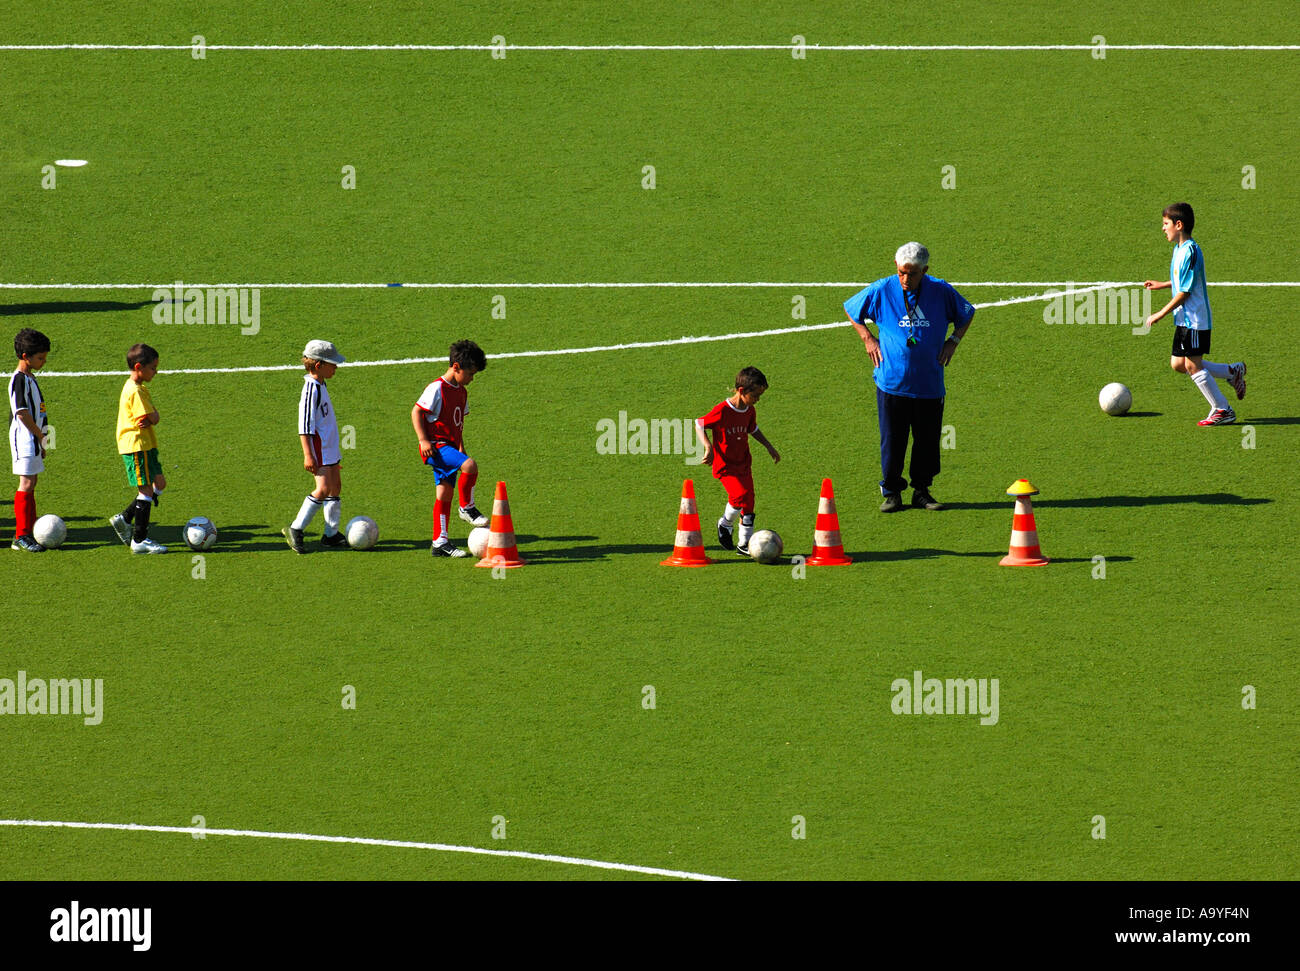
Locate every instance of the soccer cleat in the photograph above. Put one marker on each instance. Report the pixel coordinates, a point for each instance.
(147, 545)
(447, 549)
(334, 542)
(1237, 378)
(724, 535)
(893, 502)
(472, 516)
(26, 544)
(922, 499)
(1219, 416)
(294, 536)
(122, 528)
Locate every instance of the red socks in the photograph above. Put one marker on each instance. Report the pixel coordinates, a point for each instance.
(441, 510)
(465, 488)
(24, 513)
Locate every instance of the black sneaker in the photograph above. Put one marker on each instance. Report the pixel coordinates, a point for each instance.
(294, 536)
(472, 516)
(334, 542)
(26, 545)
(893, 502)
(724, 535)
(446, 549)
(922, 499)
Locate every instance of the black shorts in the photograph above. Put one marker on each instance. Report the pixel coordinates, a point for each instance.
(1191, 343)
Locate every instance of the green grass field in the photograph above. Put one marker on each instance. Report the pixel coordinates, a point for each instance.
(520, 696)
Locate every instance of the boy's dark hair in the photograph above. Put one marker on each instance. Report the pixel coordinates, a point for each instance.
(141, 354)
(750, 379)
(468, 354)
(1181, 212)
(29, 342)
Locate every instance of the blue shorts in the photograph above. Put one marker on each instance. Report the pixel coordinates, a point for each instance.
(446, 462)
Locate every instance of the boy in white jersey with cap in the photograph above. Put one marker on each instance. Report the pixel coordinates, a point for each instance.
(1191, 309)
(318, 430)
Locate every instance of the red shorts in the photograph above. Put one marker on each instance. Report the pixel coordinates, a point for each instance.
(740, 489)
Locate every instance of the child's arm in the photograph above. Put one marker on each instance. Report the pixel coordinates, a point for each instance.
(421, 431)
(144, 421)
(308, 459)
(29, 423)
(762, 440)
(1157, 284)
(1178, 300)
(704, 440)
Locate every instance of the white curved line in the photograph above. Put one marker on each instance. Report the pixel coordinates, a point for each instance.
(363, 841)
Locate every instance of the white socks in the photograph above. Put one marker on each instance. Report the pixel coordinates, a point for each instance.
(746, 529)
(1217, 371)
(307, 513)
(1210, 389)
(730, 514)
(333, 513)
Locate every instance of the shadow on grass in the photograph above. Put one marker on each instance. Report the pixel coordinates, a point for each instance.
(1141, 414)
(70, 307)
(1268, 421)
(1095, 502)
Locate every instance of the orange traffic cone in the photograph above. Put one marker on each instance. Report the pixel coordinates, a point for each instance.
(688, 548)
(828, 550)
(1024, 534)
(501, 550)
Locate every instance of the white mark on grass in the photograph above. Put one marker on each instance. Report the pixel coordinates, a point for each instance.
(363, 841)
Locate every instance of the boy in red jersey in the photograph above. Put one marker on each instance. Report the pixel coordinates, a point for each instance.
(733, 421)
(439, 420)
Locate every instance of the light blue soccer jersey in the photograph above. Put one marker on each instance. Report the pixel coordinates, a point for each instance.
(1187, 273)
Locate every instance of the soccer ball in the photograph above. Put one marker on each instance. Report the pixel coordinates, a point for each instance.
(478, 540)
(362, 532)
(199, 533)
(50, 532)
(1115, 399)
(765, 546)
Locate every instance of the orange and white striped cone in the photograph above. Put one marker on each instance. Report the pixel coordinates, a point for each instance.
(688, 547)
(501, 550)
(828, 549)
(1024, 533)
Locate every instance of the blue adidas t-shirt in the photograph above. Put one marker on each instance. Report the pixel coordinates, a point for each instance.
(1187, 271)
(911, 371)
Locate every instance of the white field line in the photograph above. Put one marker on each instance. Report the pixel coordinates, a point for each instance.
(848, 48)
(701, 339)
(645, 285)
(362, 841)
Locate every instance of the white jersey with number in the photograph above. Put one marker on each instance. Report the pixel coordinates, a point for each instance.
(316, 417)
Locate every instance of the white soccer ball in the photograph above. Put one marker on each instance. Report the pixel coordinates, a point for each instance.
(362, 532)
(1115, 399)
(479, 537)
(50, 532)
(199, 533)
(765, 546)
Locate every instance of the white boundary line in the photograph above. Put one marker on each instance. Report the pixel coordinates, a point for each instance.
(701, 339)
(363, 841)
(850, 48)
(686, 285)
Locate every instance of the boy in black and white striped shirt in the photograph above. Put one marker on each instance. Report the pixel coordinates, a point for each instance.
(27, 424)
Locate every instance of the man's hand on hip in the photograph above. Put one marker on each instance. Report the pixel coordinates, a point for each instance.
(873, 349)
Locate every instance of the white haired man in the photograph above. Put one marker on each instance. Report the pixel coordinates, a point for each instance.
(912, 311)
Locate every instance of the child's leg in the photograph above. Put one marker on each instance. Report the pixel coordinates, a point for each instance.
(159, 484)
(332, 506)
(745, 502)
(312, 503)
(441, 510)
(1206, 383)
(465, 485)
(25, 506)
(143, 508)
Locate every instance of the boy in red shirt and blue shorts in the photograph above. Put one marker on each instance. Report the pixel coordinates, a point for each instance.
(439, 421)
(733, 421)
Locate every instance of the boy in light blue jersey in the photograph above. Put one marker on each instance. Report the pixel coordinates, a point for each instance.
(1191, 309)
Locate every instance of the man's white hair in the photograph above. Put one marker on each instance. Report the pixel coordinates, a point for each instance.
(912, 254)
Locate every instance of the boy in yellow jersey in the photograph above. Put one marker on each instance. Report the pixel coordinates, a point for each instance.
(138, 446)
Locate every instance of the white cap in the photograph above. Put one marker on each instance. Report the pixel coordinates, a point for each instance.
(322, 351)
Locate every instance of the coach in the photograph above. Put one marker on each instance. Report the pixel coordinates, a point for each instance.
(912, 311)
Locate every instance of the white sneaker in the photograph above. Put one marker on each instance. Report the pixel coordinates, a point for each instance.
(147, 546)
(472, 516)
(1237, 378)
